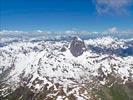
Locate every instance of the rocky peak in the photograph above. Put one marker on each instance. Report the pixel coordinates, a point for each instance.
(77, 46)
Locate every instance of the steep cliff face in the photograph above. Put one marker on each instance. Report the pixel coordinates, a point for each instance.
(77, 47)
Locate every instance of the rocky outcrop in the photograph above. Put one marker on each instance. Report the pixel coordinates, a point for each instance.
(63, 49)
(77, 47)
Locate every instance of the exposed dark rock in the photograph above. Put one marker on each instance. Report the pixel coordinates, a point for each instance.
(63, 49)
(77, 47)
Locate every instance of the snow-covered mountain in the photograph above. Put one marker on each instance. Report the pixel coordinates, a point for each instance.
(50, 70)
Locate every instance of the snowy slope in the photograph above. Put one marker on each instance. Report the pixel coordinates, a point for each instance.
(36, 64)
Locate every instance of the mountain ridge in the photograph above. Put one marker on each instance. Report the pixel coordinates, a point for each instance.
(38, 65)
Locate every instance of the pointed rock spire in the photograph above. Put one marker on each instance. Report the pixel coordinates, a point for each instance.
(77, 46)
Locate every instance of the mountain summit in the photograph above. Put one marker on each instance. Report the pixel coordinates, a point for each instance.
(77, 46)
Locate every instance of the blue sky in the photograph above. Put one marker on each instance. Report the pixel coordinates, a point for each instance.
(60, 15)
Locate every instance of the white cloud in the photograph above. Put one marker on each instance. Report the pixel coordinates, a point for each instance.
(39, 31)
(12, 33)
(77, 32)
(49, 34)
(70, 32)
(112, 6)
(113, 30)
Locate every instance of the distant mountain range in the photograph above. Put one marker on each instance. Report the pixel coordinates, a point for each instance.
(66, 35)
